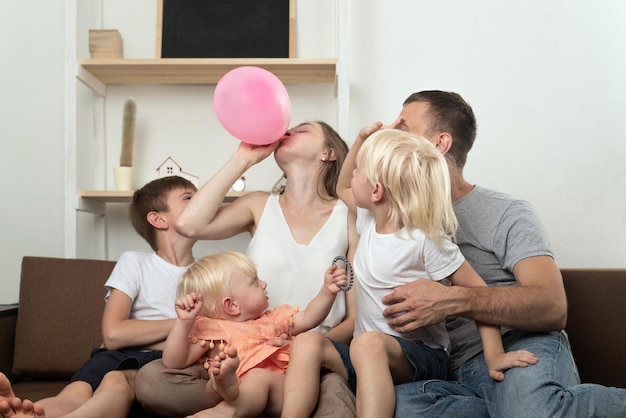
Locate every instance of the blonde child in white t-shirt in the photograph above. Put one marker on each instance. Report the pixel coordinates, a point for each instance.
(398, 185)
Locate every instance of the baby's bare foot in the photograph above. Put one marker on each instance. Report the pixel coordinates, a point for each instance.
(223, 374)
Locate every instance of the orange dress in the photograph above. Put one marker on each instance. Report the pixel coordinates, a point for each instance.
(249, 338)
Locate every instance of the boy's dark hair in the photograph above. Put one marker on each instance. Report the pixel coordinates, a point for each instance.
(448, 112)
(153, 197)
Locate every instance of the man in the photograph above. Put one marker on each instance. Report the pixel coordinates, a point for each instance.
(502, 238)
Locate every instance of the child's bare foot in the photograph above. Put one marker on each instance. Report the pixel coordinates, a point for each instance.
(223, 374)
(6, 391)
(12, 406)
(7, 397)
(15, 408)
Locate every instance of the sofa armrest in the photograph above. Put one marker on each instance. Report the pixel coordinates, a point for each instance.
(59, 322)
(595, 326)
(8, 319)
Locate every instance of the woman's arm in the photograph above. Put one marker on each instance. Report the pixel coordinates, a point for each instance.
(205, 217)
(118, 331)
(345, 329)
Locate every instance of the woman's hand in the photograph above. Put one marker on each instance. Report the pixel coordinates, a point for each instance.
(257, 153)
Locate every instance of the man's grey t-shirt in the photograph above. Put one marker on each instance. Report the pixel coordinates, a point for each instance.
(495, 232)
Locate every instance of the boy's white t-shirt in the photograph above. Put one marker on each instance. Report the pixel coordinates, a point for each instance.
(149, 281)
(383, 262)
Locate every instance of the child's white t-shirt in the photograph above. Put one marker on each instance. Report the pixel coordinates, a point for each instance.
(383, 262)
(149, 281)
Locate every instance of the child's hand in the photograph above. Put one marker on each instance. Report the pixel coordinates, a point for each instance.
(365, 132)
(189, 306)
(335, 276)
(396, 124)
(499, 363)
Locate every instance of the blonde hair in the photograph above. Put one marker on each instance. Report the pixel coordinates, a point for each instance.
(210, 276)
(415, 178)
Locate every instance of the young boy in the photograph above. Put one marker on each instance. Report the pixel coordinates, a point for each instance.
(138, 314)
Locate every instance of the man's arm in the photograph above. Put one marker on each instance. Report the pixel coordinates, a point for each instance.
(538, 303)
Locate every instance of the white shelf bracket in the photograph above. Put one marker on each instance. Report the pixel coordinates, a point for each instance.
(91, 206)
(90, 81)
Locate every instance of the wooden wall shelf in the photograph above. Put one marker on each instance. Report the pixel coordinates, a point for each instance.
(206, 70)
(125, 196)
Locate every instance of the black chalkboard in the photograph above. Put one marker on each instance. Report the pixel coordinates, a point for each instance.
(226, 28)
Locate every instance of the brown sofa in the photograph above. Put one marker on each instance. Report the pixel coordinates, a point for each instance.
(56, 326)
(61, 301)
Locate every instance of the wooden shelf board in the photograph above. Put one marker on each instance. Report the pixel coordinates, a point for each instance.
(206, 70)
(107, 196)
(125, 196)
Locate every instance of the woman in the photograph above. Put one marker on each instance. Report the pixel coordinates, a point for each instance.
(296, 231)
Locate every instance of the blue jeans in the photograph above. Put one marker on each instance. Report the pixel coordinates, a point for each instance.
(550, 388)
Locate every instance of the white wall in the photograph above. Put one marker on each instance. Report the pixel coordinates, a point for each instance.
(31, 133)
(547, 81)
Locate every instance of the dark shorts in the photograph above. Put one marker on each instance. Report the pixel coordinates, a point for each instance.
(427, 362)
(344, 352)
(103, 361)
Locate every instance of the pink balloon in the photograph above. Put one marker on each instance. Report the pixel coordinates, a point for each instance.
(253, 105)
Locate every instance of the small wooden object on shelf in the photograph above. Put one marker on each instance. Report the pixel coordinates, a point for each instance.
(105, 43)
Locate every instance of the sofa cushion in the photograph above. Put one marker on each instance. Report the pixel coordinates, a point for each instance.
(60, 301)
(596, 332)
